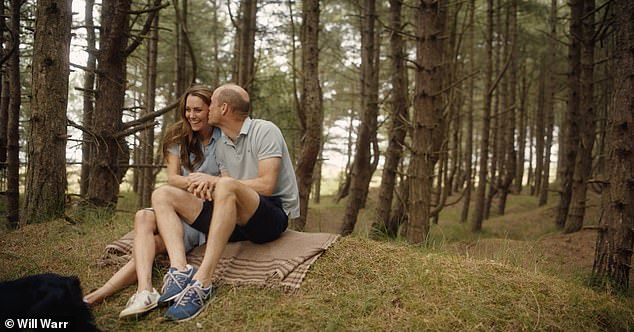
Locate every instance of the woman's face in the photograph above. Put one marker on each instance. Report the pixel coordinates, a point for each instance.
(196, 112)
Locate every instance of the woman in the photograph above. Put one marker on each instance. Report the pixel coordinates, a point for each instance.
(188, 150)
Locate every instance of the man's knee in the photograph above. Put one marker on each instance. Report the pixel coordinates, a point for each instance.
(226, 189)
(145, 221)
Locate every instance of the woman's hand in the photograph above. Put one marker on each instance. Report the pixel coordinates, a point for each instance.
(201, 185)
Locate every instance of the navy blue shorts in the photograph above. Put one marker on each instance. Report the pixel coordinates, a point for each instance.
(267, 223)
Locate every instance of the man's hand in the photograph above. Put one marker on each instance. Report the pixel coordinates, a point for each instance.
(201, 185)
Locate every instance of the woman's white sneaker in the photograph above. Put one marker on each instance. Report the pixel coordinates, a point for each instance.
(140, 302)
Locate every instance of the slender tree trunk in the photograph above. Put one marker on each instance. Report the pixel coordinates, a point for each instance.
(615, 240)
(146, 146)
(215, 44)
(478, 213)
(495, 130)
(180, 49)
(571, 140)
(4, 103)
(471, 105)
(549, 106)
(539, 124)
(366, 133)
(45, 186)
(310, 107)
(545, 178)
(510, 157)
(427, 120)
(13, 131)
(530, 173)
(89, 98)
(398, 125)
(583, 163)
(246, 59)
(344, 184)
(522, 131)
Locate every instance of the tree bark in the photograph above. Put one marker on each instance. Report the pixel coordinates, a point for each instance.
(89, 98)
(146, 142)
(509, 170)
(583, 163)
(427, 118)
(45, 186)
(478, 213)
(571, 138)
(4, 102)
(105, 173)
(398, 125)
(539, 124)
(246, 57)
(615, 239)
(470, 109)
(182, 77)
(366, 132)
(13, 131)
(549, 106)
(310, 107)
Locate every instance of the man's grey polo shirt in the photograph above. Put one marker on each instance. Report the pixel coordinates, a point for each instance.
(258, 140)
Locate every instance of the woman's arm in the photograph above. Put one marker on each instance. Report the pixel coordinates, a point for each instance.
(174, 176)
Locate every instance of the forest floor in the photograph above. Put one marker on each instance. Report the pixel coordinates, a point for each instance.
(524, 236)
(518, 273)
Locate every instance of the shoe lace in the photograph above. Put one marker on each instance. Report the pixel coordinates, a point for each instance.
(193, 293)
(174, 278)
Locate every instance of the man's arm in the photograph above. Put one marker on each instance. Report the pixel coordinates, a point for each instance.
(266, 182)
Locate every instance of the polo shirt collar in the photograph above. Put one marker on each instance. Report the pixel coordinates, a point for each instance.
(246, 125)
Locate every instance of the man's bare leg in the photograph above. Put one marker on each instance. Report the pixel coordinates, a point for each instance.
(234, 203)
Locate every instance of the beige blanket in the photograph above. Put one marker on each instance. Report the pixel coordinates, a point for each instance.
(283, 262)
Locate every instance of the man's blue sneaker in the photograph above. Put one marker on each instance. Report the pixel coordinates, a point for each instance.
(191, 302)
(175, 282)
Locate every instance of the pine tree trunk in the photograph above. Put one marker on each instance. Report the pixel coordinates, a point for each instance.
(540, 126)
(366, 133)
(246, 57)
(470, 104)
(522, 130)
(613, 256)
(45, 186)
(105, 173)
(509, 159)
(89, 98)
(571, 139)
(146, 142)
(583, 163)
(549, 106)
(180, 49)
(4, 106)
(398, 125)
(310, 107)
(427, 133)
(13, 125)
(478, 210)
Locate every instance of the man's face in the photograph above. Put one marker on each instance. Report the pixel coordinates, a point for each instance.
(215, 110)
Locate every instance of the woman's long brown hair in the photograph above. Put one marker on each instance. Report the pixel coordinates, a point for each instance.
(181, 133)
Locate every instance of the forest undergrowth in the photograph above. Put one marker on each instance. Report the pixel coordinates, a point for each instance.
(520, 273)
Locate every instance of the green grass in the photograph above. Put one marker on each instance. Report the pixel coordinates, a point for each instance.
(358, 284)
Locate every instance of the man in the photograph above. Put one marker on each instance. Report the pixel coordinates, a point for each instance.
(252, 200)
